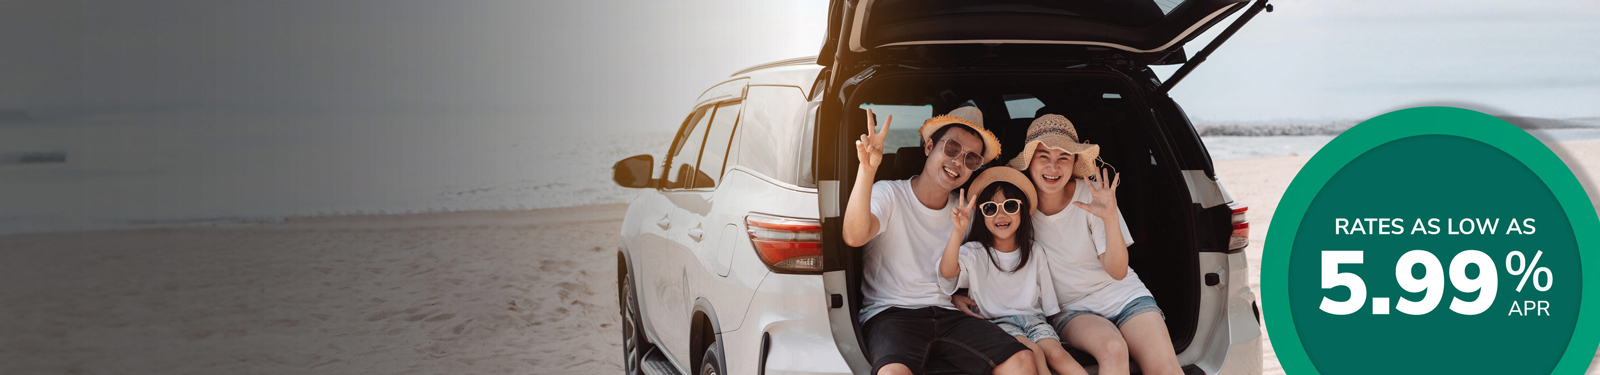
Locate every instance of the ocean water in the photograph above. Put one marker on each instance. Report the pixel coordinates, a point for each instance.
(198, 168)
(172, 169)
(1244, 147)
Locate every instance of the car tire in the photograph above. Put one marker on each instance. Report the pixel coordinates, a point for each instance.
(633, 345)
(711, 363)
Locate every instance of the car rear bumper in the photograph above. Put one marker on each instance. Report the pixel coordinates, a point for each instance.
(1230, 334)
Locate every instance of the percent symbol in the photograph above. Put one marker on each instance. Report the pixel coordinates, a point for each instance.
(1528, 270)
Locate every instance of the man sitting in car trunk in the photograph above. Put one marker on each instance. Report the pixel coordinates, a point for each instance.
(903, 224)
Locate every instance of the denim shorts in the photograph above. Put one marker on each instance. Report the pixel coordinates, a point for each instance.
(1135, 307)
(1033, 327)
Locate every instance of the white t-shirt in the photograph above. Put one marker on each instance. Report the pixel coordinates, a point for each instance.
(902, 261)
(1028, 291)
(1073, 240)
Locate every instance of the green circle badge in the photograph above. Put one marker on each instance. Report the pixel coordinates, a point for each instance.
(1433, 240)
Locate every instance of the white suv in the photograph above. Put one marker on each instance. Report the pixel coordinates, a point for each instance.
(732, 260)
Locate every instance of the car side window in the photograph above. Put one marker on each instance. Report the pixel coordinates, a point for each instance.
(773, 132)
(1020, 106)
(715, 155)
(680, 172)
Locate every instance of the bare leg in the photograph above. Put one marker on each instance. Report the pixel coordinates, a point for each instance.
(894, 369)
(1019, 364)
(1098, 336)
(1146, 335)
(1059, 359)
(1038, 355)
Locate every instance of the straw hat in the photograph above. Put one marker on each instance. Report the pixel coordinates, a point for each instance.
(1056, 132)
(1000, 174)
(972, 118)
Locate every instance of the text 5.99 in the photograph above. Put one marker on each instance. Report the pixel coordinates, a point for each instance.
(1431, 283)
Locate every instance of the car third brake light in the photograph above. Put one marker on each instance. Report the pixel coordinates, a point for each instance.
(786, 245)
(1240, 238)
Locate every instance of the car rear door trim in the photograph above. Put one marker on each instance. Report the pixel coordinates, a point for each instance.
(855, 37)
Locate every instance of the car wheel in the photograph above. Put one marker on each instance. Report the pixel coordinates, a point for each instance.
(632, 335)
(711, 363)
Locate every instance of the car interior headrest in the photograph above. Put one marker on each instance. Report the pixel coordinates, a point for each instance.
(1016, 131)
(887, 170)
(1047, 110)
(908, 161)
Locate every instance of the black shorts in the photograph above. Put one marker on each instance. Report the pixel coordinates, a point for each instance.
(931, 334)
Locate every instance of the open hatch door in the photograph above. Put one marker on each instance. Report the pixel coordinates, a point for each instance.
(1137, 31)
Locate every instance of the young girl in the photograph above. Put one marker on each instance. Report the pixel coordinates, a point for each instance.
(1013, 291)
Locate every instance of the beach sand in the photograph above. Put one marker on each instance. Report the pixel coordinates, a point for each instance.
(460, 293)
(474, 292)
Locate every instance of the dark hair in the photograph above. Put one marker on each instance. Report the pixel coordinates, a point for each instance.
(939, 134)
(1024, 234)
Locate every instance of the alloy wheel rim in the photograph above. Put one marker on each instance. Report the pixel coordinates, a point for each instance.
(630, 332)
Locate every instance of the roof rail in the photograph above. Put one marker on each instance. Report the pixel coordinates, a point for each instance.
(787, 62)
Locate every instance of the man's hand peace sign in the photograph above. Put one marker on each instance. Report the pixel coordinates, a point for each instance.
(869, 149)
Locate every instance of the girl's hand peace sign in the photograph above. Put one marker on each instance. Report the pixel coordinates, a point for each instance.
(869, 149)
(962, 214)
(1104, 205)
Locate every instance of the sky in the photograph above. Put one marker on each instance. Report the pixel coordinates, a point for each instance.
(1359, 59)
(603, 64)
(627, 65)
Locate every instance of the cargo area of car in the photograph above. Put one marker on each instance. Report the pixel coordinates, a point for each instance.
(1106, 108)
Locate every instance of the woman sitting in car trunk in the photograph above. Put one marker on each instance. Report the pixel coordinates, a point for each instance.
(1105, 310)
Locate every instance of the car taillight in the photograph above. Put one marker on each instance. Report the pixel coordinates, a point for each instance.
(1240, 238)
(786, 245)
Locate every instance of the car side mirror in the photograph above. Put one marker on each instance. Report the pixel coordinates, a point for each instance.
(633, 172)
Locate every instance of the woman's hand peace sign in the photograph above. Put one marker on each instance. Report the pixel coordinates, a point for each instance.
(1104, 205)
(869, 149)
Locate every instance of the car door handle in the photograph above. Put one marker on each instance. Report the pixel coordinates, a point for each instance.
(665, 222)
(695, 233)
